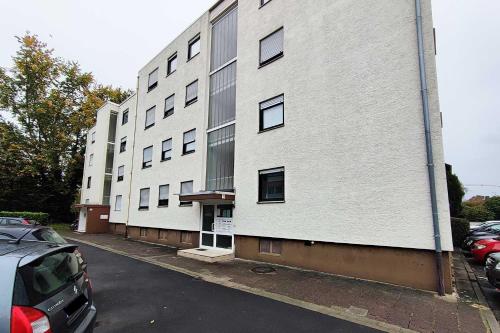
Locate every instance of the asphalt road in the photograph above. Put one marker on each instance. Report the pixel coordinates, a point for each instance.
(134, 296)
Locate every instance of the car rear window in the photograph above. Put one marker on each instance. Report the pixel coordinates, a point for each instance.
(44, 277)
(48, 235)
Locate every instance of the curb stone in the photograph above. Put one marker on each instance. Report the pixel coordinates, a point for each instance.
(333, 311)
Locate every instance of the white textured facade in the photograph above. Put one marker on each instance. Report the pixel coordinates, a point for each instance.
(351, 144)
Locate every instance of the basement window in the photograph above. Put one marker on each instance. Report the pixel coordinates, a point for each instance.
(143, 232)
(270, 246)
(186, 237)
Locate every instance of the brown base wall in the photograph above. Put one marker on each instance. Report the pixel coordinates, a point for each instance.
(173, 237)
(405, 267)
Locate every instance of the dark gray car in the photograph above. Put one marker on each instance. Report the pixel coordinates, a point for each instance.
(31, 232)
(45, 287)
(492, 269)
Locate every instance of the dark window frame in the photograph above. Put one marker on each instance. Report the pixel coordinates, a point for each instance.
(164, 151)
(260, 183)
(193, 100)
(146, 126)
(123, 145)
(149, 197)
(92, 137)
(163, 202)
(147, 164)
(263, 3)
(125, 117)
(272, 241)
(185, 203)
(262, 110)
(191, 42)
(184, 144)
(171, 111)
(89, 181)
(275, 57)
(118, 177)
(155, 84)
(169, 63)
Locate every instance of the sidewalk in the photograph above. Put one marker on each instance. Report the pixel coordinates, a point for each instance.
(386, 307)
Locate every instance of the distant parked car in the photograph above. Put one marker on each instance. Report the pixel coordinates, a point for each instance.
(33, 232)
(44, 288)
(490, 232)
(482, 226)
(16, 220)
(492, 269)
(483, 248)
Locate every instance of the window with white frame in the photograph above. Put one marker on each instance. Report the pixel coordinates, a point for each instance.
(147, 157)
(172, 64)
(163, 195)
(118, 203)
(166, 150)
(194, 46)
(144, 198)
(150, 117)
(121, 172)
(189, 143)
(192, 93)
(91, 159)
(271, 47)
(186, 188)
(271, 113)
(169, 106)
(153, 80)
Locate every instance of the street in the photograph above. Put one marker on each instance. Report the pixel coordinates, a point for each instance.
(134, 296)
(491, 293)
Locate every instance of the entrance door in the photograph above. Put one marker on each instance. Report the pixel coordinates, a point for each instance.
(217, 227)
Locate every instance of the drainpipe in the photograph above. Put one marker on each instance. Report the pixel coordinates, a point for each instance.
(428, 143)
(133, 152)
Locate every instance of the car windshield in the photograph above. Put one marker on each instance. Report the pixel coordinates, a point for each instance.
(44, 277)
(48, 235)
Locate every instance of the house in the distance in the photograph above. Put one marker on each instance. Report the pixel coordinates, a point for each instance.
(290, 132)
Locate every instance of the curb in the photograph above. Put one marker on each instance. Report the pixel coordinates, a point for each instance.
(485, 310)
(334, 311)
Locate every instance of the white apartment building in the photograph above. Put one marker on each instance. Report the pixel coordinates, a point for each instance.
(291, 132)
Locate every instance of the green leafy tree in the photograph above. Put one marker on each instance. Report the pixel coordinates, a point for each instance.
(455, 193)
(493, 205)
(477, 213)
(52, 103)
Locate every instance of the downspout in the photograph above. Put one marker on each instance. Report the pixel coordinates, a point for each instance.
(133, 152)
(428, 143)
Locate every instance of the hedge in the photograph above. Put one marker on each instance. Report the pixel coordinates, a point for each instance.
(42, 218)
(459, 229)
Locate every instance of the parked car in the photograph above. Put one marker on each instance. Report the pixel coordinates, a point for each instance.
(44, 288)
(489, 233)
(31, 232)
(492, 268)
(16, 221)
(482, 226)
(484, 248)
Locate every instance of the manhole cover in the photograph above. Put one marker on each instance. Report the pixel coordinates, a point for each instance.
(263, 270)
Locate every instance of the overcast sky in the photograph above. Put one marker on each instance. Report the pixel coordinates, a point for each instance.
(114, 39)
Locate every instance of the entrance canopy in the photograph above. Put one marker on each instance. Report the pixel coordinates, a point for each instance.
(207, 196)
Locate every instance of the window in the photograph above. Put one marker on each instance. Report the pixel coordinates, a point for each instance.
(143, 232)
(271, 113)
(192, 93)
(271, 47)
(272, 185)
(166, 150)
(270, 246)
(186, 188)
(194, 47)
(169, 106)
(121, 171)
(92, 137)
(91, 159)
(189, 144)
(89, 180)
(144, 198)
(153, 80)
(147, 157)
(172, 64)
(163, 196)
(125, 117)
(118, 203)
(123, 144)
(162, 234)
(263, 2)
(186, 237)
(150, 117)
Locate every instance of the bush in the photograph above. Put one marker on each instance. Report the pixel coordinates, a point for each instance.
(493, 205)
(42, 218)
(459, 228)
(477, 213)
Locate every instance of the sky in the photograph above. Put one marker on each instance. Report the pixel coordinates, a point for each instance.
(113, 39)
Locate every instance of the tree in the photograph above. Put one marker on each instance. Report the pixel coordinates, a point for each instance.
(455, 192)
(52, 103)
(493, 205)
(477, 213)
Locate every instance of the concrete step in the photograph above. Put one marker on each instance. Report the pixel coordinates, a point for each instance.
(207, 255)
